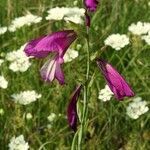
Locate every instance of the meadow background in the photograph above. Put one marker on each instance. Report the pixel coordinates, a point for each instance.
(109, 126)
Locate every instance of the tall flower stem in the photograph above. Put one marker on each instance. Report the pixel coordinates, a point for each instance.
(85, 101)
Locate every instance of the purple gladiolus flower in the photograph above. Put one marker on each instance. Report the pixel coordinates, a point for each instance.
(91, 5)
(57, 42)
(72, 109)
(115, 81)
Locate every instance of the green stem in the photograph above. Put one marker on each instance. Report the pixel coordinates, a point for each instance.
(85, 102)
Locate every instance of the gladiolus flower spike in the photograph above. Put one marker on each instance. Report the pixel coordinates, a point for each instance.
(115, 81)
(57, 42)
(72, 109)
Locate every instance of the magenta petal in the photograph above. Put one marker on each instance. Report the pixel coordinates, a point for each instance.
(59, 74)
(115, 81)
(55, 42)
(91, 5)
(72, 109)
(48, 70)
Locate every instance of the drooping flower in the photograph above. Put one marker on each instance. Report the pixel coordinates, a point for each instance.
(72, 108)
(115, 81)
(91, 5)
(57, 42)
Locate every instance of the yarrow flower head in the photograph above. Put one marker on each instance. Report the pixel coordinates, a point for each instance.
(57, 42)
(105, 94)
(18, 143)
(19, 60)
(3, 82)
(73, 14)
(115, 81)
(139, 28)
(24, 20)
(146, 38)
(117, 41)
(137, 108)
(26, 97)
(3, 30)
(70, 55)
(72, 108)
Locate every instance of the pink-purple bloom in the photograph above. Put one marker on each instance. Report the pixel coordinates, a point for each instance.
(72, 108)
(115, 81)
(58, 43)
(91, 5)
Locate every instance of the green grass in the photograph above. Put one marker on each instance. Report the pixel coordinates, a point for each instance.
(109, 127)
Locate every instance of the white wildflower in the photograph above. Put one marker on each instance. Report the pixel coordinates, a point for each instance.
(51, 117)
(137, 108)
(117, 41)
(24, 20)
(3, 82)
(28, 116)
(3, 30)
(73, 14)
(1, 61)
(1, 111)
(139, 28)
(70, 55)
(18, 143)
(105, 94)
(146, 38)
(26, 97)
(19, 60)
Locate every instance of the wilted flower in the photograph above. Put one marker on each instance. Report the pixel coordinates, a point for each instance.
(18, 143)
(137, 108)
(115, 81)
(72, 108)
(117, 41)
(105, 94)
(91, 5)
(3, 82)
(26, 97)
(57, 42)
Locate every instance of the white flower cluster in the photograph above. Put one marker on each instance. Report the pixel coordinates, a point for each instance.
(117, 41)
(146, 38)
(18, 143)
(139, 28)
(137, 108)
(105, 94)
(19, 60)
(70, 55)
(3, 82)
(73, 14)
(3, 30)
(26, 97)
(51, 117)
(24, 20)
